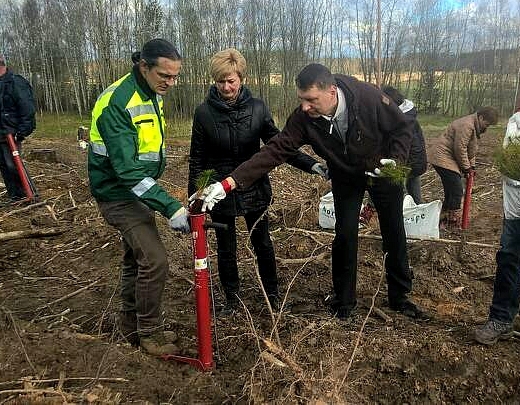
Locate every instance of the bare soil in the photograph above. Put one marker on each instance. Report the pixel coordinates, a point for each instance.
(49, 333)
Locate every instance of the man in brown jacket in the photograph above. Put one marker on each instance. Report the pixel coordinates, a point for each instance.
(453, 155)
(356, 129)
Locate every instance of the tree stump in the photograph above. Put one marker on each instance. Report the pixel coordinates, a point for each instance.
(43, 155)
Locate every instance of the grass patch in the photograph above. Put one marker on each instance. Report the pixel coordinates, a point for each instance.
(433, 125)
(59, 125)
(56, 126)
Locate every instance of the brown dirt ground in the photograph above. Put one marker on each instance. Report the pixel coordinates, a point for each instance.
(46, 335)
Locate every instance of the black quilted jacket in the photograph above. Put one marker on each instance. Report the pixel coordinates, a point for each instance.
(224, 136)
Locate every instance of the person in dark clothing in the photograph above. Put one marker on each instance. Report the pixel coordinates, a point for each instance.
(356, 129)
(17, 117)
(227, 130)
(417, 160)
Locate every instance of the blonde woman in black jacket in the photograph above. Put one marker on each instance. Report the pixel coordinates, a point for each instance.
(227, 129)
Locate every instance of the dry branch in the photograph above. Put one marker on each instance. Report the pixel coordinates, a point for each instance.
(302, 260)
(284, 356)
(26, 208)
(72, 294)
(57, 380)
(378, 237)
(38, 233)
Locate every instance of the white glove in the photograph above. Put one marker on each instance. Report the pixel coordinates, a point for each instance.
(377, 170)
(179, 221)
(212, 195)
(321, 169)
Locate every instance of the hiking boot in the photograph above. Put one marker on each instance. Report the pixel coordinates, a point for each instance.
(157, 344)
(409, 309)
(229, 308)
(126, 323)
(366, 215)
(493, 331)
(454, 220)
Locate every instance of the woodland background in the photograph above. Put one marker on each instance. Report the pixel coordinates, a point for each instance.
(448, 56)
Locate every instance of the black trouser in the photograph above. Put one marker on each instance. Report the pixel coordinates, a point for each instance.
(12, 181)
(452, 184)
(506, 292)
(413, 187)
(388, 201)
(227, 252)
(145, 263)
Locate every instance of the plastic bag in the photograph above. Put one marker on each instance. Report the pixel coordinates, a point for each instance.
(327, 217)
(423, 219)
(419, 220)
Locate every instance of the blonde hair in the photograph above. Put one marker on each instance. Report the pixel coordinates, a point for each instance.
(227, 62)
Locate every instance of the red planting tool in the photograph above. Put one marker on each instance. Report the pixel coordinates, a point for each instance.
(204, 362)
(20, 168)
(467, 199)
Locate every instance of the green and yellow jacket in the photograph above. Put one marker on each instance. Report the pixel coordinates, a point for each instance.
(126, 154)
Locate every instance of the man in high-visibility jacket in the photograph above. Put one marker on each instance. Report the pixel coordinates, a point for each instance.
(126, 157)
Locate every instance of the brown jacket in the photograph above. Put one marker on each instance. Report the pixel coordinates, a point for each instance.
(376, 129)
(457, 147)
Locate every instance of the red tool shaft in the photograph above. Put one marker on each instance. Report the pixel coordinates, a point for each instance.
(467, 200)
(17, 160)
(202, 296)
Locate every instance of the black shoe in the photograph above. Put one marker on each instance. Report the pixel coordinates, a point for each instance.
(409, 309)
(229, 308)
(342, 312)
(274, 300)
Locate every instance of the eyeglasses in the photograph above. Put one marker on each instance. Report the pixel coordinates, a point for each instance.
(166, 77)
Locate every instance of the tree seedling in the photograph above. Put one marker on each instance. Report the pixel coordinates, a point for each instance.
(204, 179)
(508, 160)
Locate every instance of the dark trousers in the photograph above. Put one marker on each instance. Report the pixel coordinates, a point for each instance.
(145, 263)
(452, 184)
(388, 201)
(506, 292)
(413, 187)
(227, 252)
(12, 181)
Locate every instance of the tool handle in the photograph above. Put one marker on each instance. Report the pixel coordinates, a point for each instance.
(215, 225)
(17, 160)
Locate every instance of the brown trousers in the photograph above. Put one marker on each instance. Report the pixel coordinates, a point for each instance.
(145, 264)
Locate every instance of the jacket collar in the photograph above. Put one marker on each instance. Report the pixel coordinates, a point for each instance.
(144, 90)
(341, 107)
(216, 101)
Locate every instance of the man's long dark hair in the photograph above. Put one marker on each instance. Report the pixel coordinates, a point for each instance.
(155, 49)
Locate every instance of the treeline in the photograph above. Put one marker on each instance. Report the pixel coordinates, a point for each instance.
(448, 59)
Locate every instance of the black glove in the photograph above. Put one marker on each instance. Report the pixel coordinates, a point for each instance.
(19, 137)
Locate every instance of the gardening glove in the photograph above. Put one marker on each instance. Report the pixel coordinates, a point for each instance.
(179, 221)
(213, 194)
(377, 171)
(468, 172)
(321, 169)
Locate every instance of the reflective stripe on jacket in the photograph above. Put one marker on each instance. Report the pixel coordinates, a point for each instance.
(126, 154)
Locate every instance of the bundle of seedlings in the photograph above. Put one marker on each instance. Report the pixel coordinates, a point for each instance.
(507, 160)
(204, 179)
